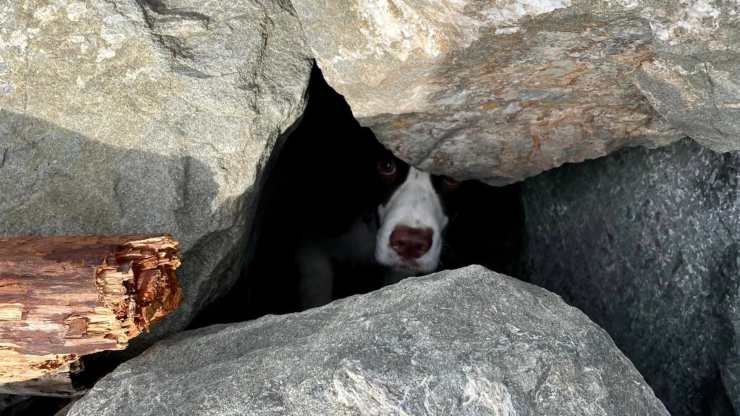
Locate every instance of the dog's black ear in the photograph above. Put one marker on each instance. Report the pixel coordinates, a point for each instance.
(340, 181)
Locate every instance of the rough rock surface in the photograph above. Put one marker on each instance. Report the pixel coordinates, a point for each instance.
(694, 82)
(465, 342)
(134, 116)
(503, 90)
(647, 243)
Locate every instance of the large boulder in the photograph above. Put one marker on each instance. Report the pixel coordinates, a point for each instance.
(503, 90)
(465, 342)
(647, 243)
(694, 81)
(131, 116)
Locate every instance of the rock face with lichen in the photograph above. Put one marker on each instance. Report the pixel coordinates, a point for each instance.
(141, 116)
(464, 342)
(503, 90)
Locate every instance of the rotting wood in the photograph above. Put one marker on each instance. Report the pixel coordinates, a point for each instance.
(62, 298)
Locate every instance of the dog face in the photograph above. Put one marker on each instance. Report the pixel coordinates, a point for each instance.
(412, 217)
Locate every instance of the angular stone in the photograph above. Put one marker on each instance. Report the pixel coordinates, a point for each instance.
(497, 91)
(464, 342)
(136, 116)
(647, 243)
(694, 82)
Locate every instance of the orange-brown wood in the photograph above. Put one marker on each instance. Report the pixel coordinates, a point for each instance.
(62, 298)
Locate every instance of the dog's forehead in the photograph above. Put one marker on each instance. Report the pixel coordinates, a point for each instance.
(402, 174)
(412, 186)
(403, 171)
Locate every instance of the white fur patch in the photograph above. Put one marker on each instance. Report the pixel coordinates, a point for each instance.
(414, 204)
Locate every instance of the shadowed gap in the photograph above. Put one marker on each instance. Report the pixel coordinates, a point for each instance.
(316, 181)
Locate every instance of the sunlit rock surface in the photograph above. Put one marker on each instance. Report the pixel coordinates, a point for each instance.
(127, 116)
(503, 90)
(463, 342)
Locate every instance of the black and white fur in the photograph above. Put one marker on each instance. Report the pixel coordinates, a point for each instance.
(328, 204)
(417, 204)
(390, 234)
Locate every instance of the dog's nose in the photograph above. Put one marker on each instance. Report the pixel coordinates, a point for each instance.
(411, 243)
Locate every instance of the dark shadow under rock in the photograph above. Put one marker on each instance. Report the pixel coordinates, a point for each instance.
(321, 176)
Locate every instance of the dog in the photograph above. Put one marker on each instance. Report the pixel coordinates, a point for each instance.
(340, 215)
(335, 214)
(398, 233)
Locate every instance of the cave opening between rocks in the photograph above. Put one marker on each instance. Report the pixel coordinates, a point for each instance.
(313, 168)
(317, 173)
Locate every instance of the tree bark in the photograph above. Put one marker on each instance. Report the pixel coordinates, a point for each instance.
(62, 298)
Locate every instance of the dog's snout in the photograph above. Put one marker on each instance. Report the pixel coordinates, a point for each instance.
(411, 243)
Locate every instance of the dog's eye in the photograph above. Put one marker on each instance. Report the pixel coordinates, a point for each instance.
(450, 183)
(387, 167)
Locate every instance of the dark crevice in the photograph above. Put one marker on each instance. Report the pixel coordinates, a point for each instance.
(12, 405)
(316, 181)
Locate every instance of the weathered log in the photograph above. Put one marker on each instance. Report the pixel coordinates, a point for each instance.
(62, 298)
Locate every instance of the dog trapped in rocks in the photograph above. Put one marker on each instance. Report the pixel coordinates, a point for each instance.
(398, 233)
(339, 215)
(336, 214)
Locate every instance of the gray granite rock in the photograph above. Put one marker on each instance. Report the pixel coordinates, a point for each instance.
(694, 81)
(464, 342)
(647, 243)
(503, 90)
(126, 116)
(497, 91)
